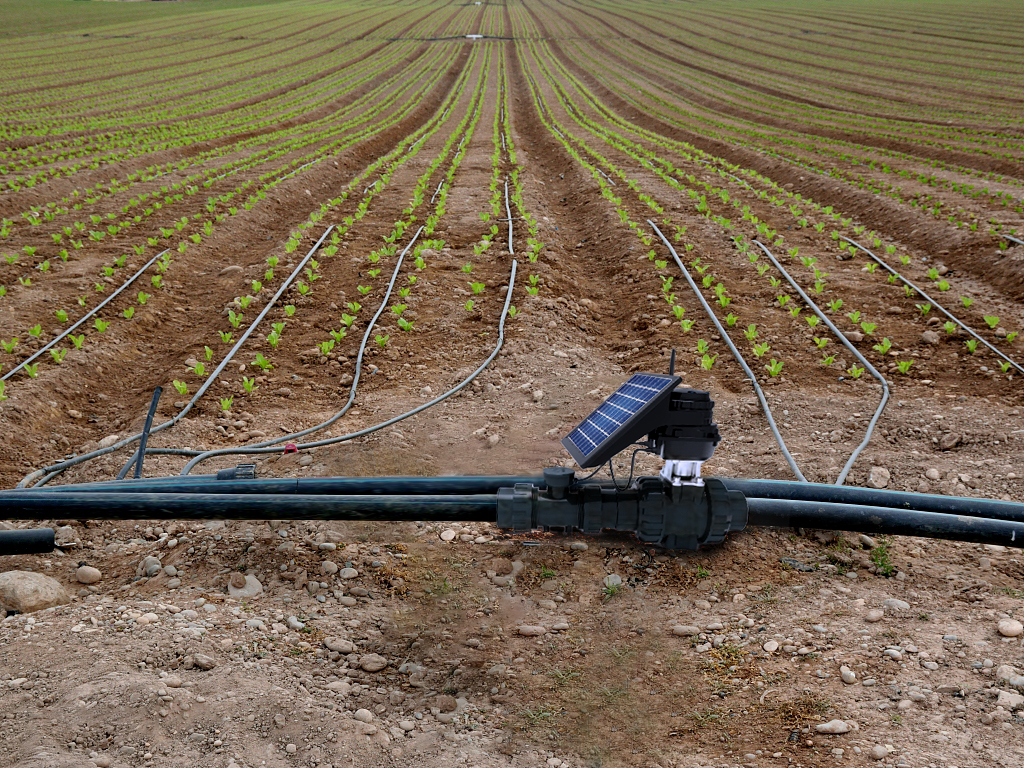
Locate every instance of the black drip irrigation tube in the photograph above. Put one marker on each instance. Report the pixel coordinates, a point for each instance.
(934, 303)
(91, 313)
(269, 446)
(853, 350)
(46, 474)
(736, 354)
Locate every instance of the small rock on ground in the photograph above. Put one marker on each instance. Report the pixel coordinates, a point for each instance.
(86, 574)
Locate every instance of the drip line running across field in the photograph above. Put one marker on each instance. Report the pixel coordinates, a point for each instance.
(52, 471)
(269, 445)
(934, 303)
(85, 317)
(736, 354)
(853, 350)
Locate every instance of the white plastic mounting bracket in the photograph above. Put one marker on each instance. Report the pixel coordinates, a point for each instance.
(676, 472)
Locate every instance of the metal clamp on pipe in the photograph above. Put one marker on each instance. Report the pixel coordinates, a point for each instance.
(684, 516)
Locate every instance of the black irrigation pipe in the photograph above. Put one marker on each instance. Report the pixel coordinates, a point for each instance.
(508, 212)
(1014, 239)
(933, 302)
(85, 317)
(305, 486)
(48, 473)
(736, 354)
(36, 505)
(787, 490)
(140, 454)
(752, 488)
(853, 350)
(884, 520)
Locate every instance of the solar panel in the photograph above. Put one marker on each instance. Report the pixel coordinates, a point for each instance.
(614, 424)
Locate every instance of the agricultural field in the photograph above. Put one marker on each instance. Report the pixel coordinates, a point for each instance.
(305, 219)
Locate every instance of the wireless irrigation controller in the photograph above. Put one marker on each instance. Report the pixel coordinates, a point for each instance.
(677, 510)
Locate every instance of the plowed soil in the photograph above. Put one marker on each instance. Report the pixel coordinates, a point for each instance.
(597, 118)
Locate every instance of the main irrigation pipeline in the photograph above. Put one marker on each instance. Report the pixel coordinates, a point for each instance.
(677, 509)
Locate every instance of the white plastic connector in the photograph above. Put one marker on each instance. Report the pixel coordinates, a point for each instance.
(678, 472)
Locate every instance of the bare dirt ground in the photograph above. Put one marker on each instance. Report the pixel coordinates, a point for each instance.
(423, 644)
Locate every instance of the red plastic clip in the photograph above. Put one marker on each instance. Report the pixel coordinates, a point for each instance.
(291, 448)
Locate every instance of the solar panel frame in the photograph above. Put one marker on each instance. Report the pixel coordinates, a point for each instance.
(613, 425)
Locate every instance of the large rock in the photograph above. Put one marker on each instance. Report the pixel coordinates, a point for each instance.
(1010, 676)
(26, 592)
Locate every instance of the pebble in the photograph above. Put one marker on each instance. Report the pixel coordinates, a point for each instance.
(892, 604)
(204, 662)
(950, 441)
(347, 573)
(932, 474)
(878, 752)
(150, 566)
(339, 644)
(685, 630)
(108, 441)
(448, 535)
(874, 615)
(363, 715)
(878, 477)
(848, 675)
(1010, 628)
(930, 337)
(579, 546)
(86, 574)
(291, 749)
(407, 725)
(530, 630)
(251, 587)
(771, 646)
(833, 726)
(328, 567)
(294, 623)
(612, 580)
(372, 662)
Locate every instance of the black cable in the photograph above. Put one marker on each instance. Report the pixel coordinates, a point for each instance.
(581, 479)
(632, 466)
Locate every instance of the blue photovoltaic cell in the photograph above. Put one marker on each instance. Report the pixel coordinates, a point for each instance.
(613, 413)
